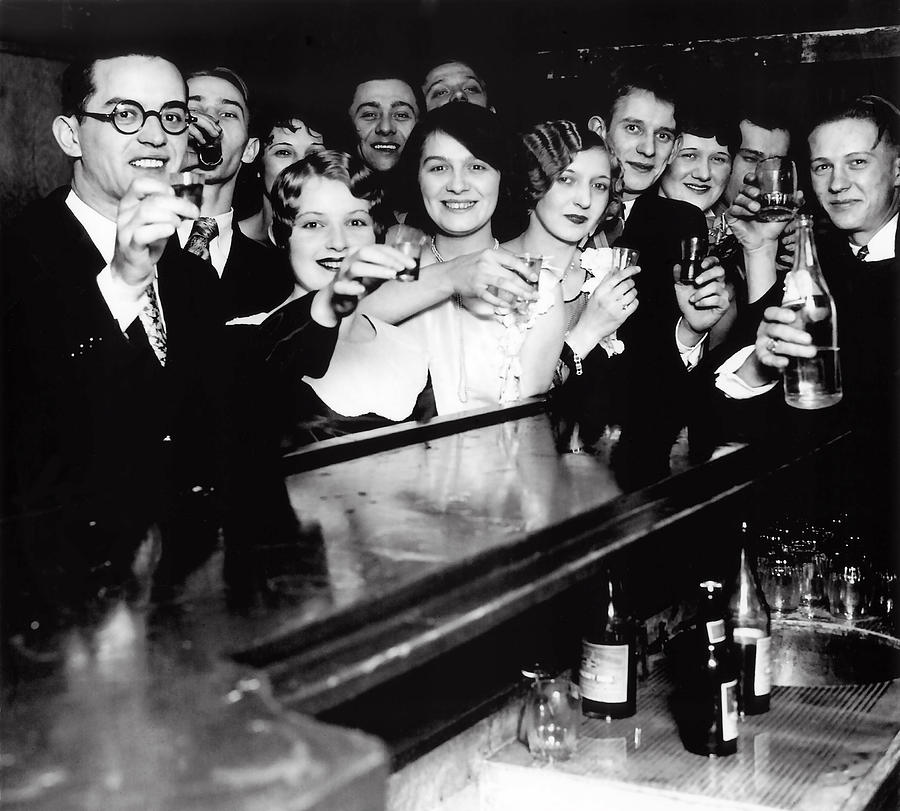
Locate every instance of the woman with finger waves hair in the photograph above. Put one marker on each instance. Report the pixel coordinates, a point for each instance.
(571, 184)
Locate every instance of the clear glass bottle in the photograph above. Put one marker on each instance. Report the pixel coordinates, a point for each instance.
(607, 673)
(811, 383)
(752, 626)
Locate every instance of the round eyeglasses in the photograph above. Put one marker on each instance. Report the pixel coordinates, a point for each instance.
(128, 117)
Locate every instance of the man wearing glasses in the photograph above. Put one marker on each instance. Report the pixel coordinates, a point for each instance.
(111, 375)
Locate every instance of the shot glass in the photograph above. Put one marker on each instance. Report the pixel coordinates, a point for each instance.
(777, 178)
(409, 241)
(552, 718)
(693, 251)
(624, 257)
(188, 185)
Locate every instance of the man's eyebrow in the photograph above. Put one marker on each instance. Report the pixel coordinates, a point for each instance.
(468, 77)
(400, 103)
(373, 104)
(751, 151)
(233, 102)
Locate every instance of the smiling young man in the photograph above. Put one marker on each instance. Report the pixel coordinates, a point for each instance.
(253, 280)
(383, 111)
(641, 129)
(106, 322)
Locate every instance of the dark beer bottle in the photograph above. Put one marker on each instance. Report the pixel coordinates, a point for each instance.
(712, 728)
(751, 622)
(607, 673)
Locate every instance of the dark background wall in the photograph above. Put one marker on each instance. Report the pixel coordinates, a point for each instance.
(546, 59)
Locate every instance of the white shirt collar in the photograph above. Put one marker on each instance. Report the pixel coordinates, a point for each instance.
(220, 245)
(627, 205)
(101, 230)
(881, 246)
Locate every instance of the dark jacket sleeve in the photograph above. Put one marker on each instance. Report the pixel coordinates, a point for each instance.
(293, 344)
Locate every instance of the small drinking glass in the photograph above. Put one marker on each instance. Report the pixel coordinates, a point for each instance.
(552, 718)
(777, 178)
(779, 579)
(849, 592)
(812, 571)
(533, 263)
(188, 185)
(409, 241)
(693, 252)
(624, 258)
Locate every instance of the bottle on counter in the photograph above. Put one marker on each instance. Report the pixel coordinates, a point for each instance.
(710, 726)
(811, 383)
(752, 626)
(608, 671)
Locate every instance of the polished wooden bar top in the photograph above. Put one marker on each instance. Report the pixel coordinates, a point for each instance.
(356, 572)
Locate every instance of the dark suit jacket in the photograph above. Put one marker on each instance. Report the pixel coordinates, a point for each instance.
(256, 278)
(91, 420)
(651, 387)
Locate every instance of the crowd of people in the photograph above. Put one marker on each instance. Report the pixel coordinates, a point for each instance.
(150, 339)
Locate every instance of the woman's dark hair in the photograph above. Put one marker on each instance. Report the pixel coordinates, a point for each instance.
(548, 149)
(702, 121)
(328, 164)
(478, 130)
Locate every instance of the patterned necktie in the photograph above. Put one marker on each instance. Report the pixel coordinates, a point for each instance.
(614, 230)
(862, 253)
(151, 320)
(204, 231)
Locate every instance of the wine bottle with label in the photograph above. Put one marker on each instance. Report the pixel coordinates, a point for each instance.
(608, 670)
(751, 623)
(712, 725)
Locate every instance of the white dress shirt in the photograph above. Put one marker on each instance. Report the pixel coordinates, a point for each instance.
(881, 246)
(125, 302)
(219, 245)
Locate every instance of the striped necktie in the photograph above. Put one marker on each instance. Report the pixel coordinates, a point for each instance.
(151, 321)
(204, 231)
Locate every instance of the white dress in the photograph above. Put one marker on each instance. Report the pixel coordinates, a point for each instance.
(383, 375)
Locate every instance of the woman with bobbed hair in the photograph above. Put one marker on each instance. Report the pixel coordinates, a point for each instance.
(322, 217)
(284, 139)
(570, 185)
(491, 337)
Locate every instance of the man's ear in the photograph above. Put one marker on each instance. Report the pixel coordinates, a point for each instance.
(598, 125)
(250, 151)
(66, 132)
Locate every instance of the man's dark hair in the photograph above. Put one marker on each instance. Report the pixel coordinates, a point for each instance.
(79, 80)
(768, 111)
(626, 78)
(228, 75)
(383, 73)
(77, 86)
(883, 114)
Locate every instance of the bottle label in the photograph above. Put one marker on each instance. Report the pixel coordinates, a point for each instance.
(762, 670)
(762, 678)
(729, 710)
(604, 673)
(715, 631)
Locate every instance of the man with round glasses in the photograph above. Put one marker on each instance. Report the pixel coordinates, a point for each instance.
(111, 376)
